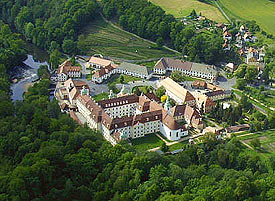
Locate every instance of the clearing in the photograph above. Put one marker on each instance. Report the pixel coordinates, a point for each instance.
(106, 39)
(262, 11)
(182, 8)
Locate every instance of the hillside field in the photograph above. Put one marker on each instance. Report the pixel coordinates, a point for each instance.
(181, 8)
(262, 11)
(111, 41)
(267, 139)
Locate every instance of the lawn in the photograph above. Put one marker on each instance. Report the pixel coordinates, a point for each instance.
(177, 146)
(116, 80)
(108, 40)
(182, 8)
(262, 11)
(101, 96)
(147, 142)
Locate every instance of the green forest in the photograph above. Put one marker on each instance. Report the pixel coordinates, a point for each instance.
(46, 156)
(150, 21)
(50, 25)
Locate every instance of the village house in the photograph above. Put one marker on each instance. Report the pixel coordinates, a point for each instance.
(134, 70)
(97, 62)
(104, 73)
(188, 68)
(231, 67)
(227, 35)
(253, 55)
(66, 71)
(177, 92)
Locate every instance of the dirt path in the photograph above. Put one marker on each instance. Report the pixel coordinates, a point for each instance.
(247, 145)
(224, 14)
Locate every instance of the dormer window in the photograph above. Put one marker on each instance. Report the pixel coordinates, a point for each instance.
(156, 117)
(116, 125)
(147, 119)
(125, 123)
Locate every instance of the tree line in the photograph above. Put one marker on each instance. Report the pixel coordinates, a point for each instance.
(51, 25)
(150, 21)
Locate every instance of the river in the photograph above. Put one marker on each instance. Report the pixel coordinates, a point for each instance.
(27, 73)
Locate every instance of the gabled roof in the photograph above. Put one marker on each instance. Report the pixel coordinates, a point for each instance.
(114, 102)
(134, 68)
(177, 90)
(103, 71)
(100, 61)
(67, 67)
(164, 63)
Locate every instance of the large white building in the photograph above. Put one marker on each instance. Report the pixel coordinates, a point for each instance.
(188, 68)
(129, 116)
(134, 70)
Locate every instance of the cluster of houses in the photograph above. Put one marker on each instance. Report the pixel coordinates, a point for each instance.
(227, 37)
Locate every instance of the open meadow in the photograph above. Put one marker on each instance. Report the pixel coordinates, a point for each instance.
(110, 41)
(181, 8)
(262, 11)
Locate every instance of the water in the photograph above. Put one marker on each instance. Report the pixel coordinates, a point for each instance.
(28, 74)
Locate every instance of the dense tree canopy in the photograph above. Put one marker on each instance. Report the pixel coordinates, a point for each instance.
(46, 22)
(45, 155)
(149, 21)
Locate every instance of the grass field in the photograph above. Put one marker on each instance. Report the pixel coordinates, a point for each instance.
(177, 146)
(147, 142)
(267, 139)
(181, 8)
(262, 11)
(110, 41)
(102, 96)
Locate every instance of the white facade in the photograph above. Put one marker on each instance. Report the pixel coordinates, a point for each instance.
(122, 110)
(172, 134)
(62, 77)
(159, 71)
(134, 74)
